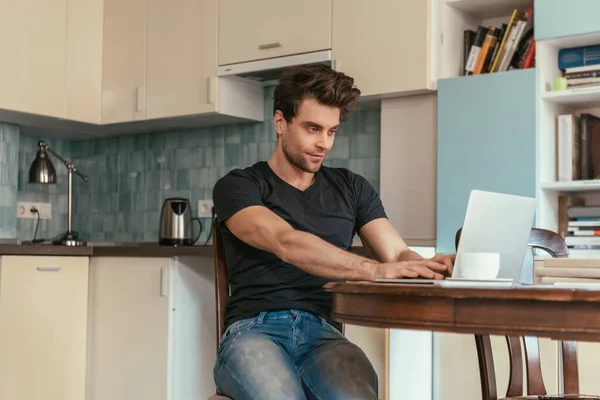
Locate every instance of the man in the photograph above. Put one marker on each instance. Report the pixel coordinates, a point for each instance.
(287, 224)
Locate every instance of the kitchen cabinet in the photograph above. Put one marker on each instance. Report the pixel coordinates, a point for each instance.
(43, 324)
(106, 63)
(182, 57)
(150, 60)
(152, 328)
(259, 29)
(33, 42)
(408, 166)
(387, 46)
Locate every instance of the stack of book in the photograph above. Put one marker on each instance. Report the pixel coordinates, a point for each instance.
(583, 231)
(567, 272)
(580, 66)
(500, 48)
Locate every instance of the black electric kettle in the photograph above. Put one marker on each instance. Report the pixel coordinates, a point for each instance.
(176, 223)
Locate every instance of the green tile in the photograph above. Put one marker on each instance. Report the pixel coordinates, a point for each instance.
(183, 179)
(233, 134)
(152, 180)
(232, 154)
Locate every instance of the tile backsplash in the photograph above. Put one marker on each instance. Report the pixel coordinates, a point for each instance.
(130, 176)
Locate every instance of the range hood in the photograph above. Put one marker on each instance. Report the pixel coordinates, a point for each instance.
(270, 69)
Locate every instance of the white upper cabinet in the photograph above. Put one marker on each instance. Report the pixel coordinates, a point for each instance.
(385, 45)
(182, 57)
(33, 44)
(260, 29)
(106, 63)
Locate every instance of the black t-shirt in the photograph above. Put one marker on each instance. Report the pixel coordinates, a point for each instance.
(334, 207)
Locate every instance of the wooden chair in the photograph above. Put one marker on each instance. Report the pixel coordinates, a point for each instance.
(221, 287)
(222, 291)
(552, 243)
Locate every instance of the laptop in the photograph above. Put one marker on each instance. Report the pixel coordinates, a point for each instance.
(494, 222)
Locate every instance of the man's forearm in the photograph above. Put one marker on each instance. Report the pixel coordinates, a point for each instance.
(409, 255)
(318, 257)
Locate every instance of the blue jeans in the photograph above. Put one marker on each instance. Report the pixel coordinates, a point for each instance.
(291, 355)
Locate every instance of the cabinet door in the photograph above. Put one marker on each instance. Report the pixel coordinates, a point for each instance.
(408, 165)
(259, 29)
(129, 328)
(182, 55)
(487, 132)
(33, 42)
(43, 323)
(123, 61)
(558, 18)
(84, 60)
(383, 44)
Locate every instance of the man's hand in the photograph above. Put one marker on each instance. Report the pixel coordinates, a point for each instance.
(447, 260)
(427, 269)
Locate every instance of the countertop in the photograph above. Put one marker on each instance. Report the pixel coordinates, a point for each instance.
(106, 250)
(119, 250)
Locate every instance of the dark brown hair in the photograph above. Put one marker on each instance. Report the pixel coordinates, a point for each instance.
(317, 81)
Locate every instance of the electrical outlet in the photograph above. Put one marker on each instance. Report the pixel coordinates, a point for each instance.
(24, 210)
(205, 208)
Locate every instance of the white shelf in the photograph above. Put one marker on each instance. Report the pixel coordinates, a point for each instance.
(589, 96)
(573, 186)
(574, 41)
(485, 9)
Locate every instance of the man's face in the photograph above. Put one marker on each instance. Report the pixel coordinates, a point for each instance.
(307, 139)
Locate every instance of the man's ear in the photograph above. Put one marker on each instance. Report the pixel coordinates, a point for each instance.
(279, 122)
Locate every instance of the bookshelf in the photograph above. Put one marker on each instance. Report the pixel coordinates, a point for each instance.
(575, 186)
(551, 104)
(584, 97)
(456, 16)
(488, 9)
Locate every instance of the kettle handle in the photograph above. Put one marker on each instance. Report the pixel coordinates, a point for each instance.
(199, 230)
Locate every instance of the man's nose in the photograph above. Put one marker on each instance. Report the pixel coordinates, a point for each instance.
(324, 141)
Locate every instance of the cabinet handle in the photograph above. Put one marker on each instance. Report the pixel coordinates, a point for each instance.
(210, 90)
(269, 45)
(164, 282)
(48, 269)
(139, 92)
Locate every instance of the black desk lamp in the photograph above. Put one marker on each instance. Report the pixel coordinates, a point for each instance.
(42, 171)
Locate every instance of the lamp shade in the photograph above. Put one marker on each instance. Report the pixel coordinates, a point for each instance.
(42, 170)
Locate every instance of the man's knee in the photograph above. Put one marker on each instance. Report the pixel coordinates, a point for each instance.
(252, 366)
(340, 370)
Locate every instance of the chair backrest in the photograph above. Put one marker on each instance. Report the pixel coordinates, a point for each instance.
(553, 244)
(221, 282)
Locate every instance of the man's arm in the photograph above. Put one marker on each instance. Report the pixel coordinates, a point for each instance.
(386, 244)
(261, 228)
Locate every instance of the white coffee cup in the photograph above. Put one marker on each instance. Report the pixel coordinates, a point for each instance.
(479, 265)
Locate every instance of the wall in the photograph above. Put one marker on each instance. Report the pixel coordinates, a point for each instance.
(55, 194)
(9, 147)
(130, 176)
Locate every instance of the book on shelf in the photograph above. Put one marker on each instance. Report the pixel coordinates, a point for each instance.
(568, 148)
(577, 147)
(500, 48)
(580, 66)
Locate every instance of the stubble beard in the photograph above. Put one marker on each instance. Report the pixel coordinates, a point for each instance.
(296, 158)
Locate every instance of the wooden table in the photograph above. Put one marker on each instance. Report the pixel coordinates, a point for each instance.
(557, 313)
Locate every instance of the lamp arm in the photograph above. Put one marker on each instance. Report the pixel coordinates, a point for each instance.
(68, 165)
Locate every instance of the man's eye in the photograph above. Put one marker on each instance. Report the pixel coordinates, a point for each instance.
(313, 129)
(332, 132)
